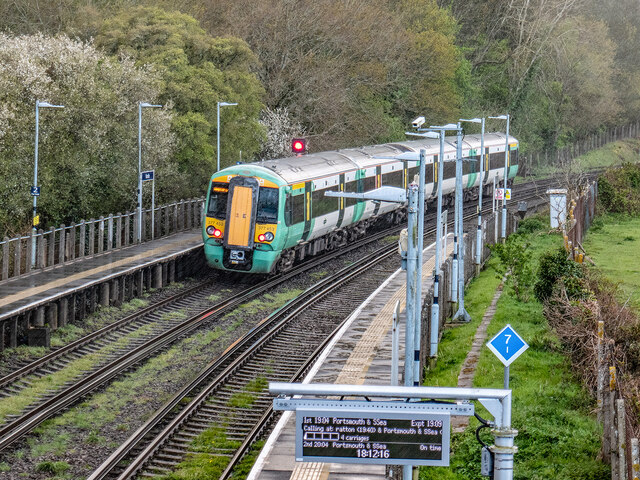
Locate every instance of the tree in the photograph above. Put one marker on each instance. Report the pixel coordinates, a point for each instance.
(81, 146)
(197, 71)
(280, 131)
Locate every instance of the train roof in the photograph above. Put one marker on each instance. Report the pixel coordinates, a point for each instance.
(320, 164)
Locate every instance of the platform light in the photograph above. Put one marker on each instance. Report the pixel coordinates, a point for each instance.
(299, 145)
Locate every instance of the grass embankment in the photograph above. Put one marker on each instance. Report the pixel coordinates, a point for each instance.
(610, 155)
(613, 243)
(557, 435)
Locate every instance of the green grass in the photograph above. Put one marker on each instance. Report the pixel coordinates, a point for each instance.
(612, 154)
(558, 438)
(613, 243)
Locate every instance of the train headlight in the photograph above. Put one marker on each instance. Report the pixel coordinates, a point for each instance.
(214, 232)
(266, 237)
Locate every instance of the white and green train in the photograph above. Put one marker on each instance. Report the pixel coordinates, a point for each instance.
(263, 217)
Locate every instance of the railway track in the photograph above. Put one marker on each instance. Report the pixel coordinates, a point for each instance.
(168, 438)
(142, 348)
(119, 360)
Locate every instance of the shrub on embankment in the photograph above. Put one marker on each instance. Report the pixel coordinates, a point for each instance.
(576, 297)
(619, 189)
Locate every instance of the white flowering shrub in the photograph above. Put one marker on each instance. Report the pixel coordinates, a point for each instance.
(88, 151)
(280, 130)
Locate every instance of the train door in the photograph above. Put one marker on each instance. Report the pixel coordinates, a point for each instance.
(241, 214)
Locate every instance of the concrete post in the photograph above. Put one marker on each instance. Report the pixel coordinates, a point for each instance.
(104, 294)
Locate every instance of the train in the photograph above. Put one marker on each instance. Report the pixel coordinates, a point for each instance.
(264, 217)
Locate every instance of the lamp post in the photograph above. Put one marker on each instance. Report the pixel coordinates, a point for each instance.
(34, 190)
(141, 105)
(506, 174)
(221, 104)
(462, 312)
(480, 185)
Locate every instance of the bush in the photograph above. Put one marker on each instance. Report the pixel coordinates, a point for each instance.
(532, 225)
(556, 266)
(619, 189)
(515, 259)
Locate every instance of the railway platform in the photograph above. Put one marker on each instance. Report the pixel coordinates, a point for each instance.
(34, 304)
(359, 354)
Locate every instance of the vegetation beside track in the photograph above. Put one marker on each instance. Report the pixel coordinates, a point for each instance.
(558, 436)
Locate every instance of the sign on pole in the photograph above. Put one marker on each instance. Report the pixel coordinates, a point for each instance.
(147, 176)
(35, 191)
(376, 437)
(499, 192)
(507, 345)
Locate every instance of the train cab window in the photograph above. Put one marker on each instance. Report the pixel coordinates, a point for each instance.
(217, 207)
(393, 179)
(267, 205)
(513, 157)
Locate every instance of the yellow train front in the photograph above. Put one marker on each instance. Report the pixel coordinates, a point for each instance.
(241, 230)
(262, 217)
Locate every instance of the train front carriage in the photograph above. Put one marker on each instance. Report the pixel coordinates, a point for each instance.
(241, 227)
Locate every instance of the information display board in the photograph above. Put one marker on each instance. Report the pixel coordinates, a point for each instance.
(373, 437)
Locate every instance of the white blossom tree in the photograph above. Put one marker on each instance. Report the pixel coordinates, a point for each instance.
(87, 152)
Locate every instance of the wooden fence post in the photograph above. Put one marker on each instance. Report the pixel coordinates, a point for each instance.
(110, 232)
(41, 248)
(613, 446)
(635, 460)
(51, 245)
(81, 243)
(17, 258)
(5, 258)
(92, 236)
(622, 439)
(127, 225)
(101, 234)
(119, 231)
(61, 247)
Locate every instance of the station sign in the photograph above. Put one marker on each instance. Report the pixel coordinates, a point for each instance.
(35, 191)
(147, 176)
(507, 345)
(499, 192)
(385, 436)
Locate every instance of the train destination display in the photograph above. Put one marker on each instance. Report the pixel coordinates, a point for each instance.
(378, 437)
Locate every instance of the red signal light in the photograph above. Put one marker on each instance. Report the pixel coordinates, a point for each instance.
(298, 145)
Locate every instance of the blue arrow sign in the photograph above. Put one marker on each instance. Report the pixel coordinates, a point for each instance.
(146, 176)
(507, 345)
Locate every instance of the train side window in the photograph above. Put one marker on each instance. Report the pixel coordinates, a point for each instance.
(369, 183)
(496, 160)
(449, 169)
(470, 165)
(217, 207)
(322, 205)
(351, 187)
(296, 209)
(393, 179)
(267, 205)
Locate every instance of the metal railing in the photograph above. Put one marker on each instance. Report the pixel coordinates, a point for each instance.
(67, 243)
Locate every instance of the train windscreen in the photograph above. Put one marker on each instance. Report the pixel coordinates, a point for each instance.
(218, 201)
(267, 205)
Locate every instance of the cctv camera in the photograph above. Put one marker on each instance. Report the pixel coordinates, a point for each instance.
(418, 122)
